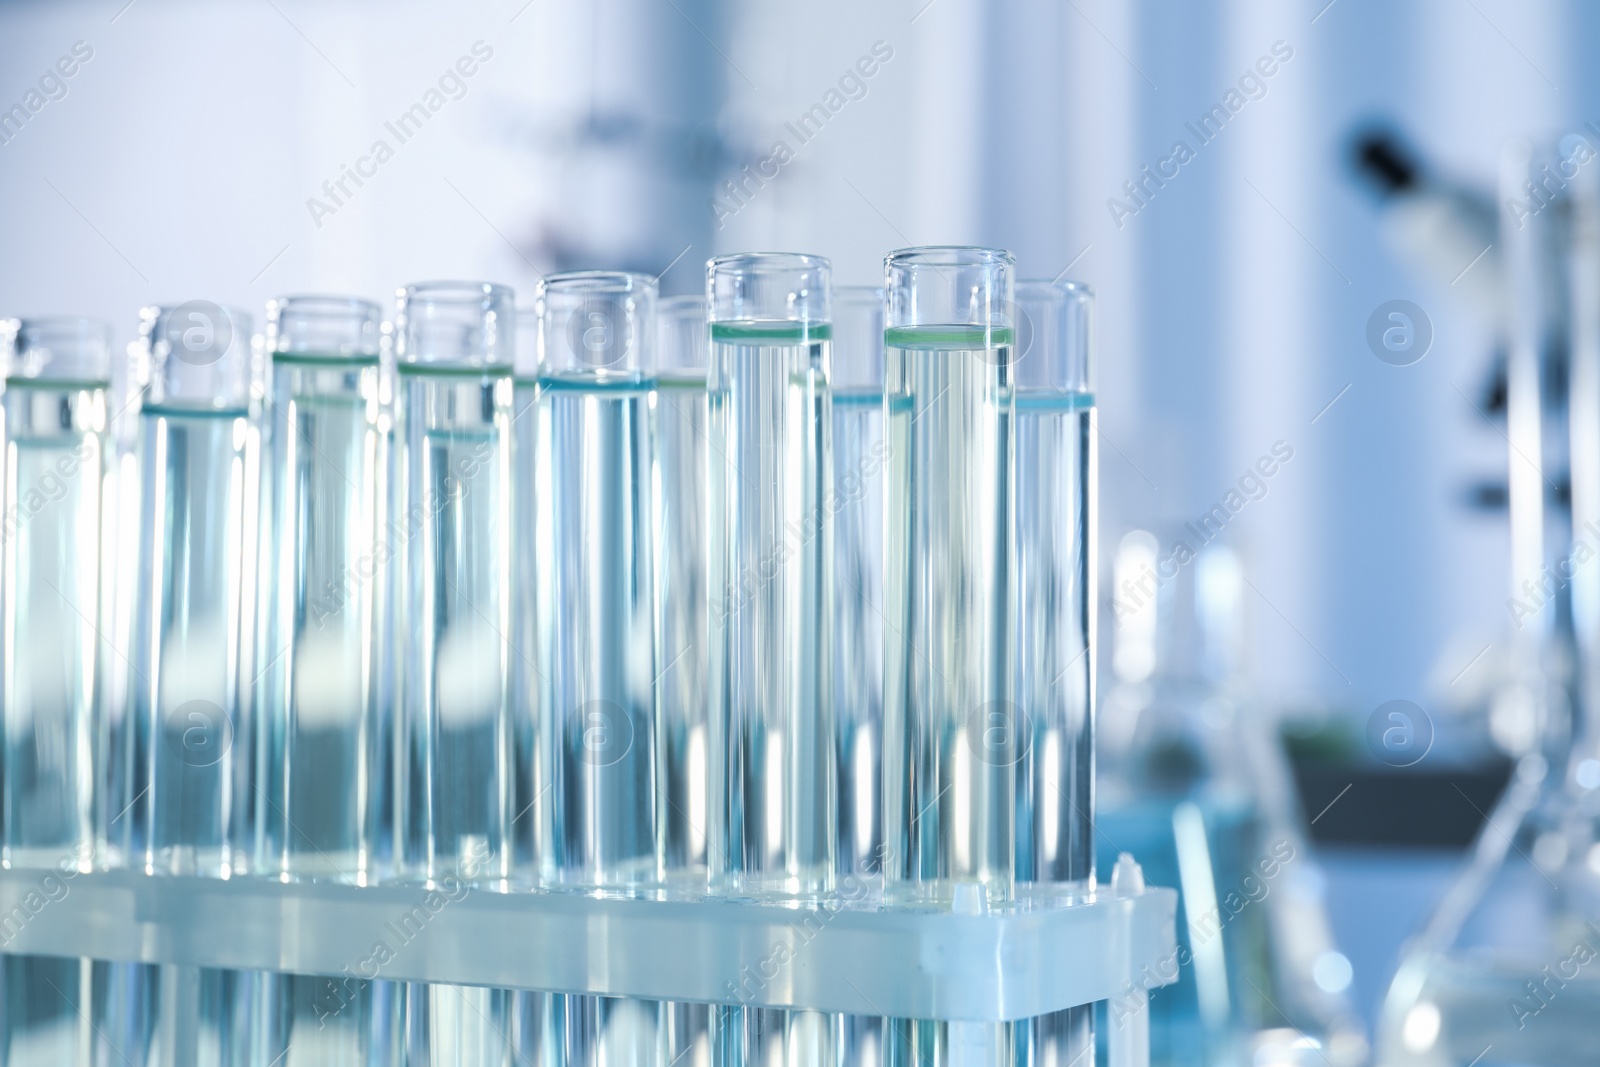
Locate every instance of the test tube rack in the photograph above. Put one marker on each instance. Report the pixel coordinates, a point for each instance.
(967, 964)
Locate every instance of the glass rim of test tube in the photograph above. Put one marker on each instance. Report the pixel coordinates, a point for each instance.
(854, 339)
(592, 305)
(990, 305)
(206, 367)
(1065, 339)
(437, 304)
(309, 325)
(683, 343)
(33, 347)
(746, 292)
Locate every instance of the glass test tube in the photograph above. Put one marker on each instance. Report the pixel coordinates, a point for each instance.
(683, 462)
(531, 803)
(775, 831)
(54, 600)
(322, 763)
(951, 743)
(55, 589)
(193, 801)
(454, 344)
(325, 756)
(1055, 496)
(774, 828)
(1053, 652)
(596, 564)
(454, 350)
(537, 1027)
(859, 454)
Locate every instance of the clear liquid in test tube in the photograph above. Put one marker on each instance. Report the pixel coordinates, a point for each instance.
(1055, 604)
(773, 830)
(531, 802)
(950, 719)
(596, 576)
(859, 454)
(454, 345)
(454, 349)
(325, 760)
(327, 751)
(683, 461)
(683, 581)
(55, 599)
(56, 594)
(193, 806)
(193, 797)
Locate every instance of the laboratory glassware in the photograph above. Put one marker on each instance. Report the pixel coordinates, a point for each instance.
(684, 458)
(774, 827)
(324, 763)
(596, 573)
(193, 797)
(56, 590)
(859, 455)
(1194, 783)
(326, 752)
(1500, 971)
(454, 344)
(56, 594)
(1054, 539)
(951, 742)
(193, 800)
(531, 800)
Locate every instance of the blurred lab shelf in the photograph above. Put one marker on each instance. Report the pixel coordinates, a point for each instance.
(1007, 964)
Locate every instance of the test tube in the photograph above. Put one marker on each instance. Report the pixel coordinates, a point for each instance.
(531, 801)
(683, 459)
(683, 465)
(859, 454)
(454, 344)
(1055, 610)
(1055, 567)
(774, 830)
(454, 347)
(193, 799)
(950, 717)
(325, 758)
(55, 593)
(596, 573)
(323, 762)
(192, 809)
(54, 599)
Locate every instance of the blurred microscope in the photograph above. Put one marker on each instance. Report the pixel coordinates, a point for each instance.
(1502, 972)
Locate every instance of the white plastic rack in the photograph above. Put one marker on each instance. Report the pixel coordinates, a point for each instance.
(851, 957)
